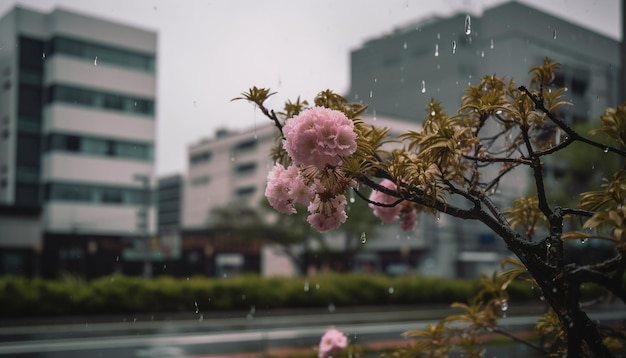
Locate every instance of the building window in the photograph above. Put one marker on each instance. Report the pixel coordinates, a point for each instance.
(246, 168)
(200, 158)
(98, 99)
(105, 54)
(99, 147)
(245, 192)
(246, 145)
(82, 193)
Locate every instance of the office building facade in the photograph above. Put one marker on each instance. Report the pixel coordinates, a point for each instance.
(78, 123)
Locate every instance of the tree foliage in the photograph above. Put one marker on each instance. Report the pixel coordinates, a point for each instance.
(454, 164)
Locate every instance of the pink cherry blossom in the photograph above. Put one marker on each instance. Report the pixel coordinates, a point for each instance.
(386, 214)
(285, 187)
(408, 219)
(319, 136)
(327, 214)
(332, 341)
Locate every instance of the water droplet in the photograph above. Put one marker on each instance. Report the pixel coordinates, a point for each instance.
(433, 113)
(371, 94)
(554, 34)
(375, 80)
(606, 150)
(196, 304)
(453, 47)
(583, 241)
(436, 50)
(43, 55)
(468, 24)
(317, 286)
(95, 61)
(423, 86)
(405, 46)
(482, 53)
(504, 305)
(306, 286)
(201, 318)
(491, 44)
(117, 258)
(391, 290)
(331, 308)
(438, 36)
(554, 290)
(363, 238)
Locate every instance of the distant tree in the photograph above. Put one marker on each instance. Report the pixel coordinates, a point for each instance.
(452, 166)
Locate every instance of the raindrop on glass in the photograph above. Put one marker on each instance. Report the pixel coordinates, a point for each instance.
(331, 308)
(196, 304)
(363, 238)
(201, 318)
(117, 258)
(371, 94)
(95, 61)
(306, 286)
(391, 290)
(482, 53)
(554, 34)
(405, 46)
(438, 36)
(317, 286)
(453, 47)
(468, 24)
(436, 50)
(606, 150)
(583, 241)
(491, 44)
(423, 86)
(43, 55)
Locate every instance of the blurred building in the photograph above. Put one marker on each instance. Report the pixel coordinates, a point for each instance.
(77, 110)
(170, 192)
(229, 169)
(398, 73)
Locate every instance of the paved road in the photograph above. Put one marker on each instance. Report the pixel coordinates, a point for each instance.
(224, 335)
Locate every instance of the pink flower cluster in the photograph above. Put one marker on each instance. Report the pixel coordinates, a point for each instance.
(332, 341)
(319, 136)
(327, 214)
(285, 187)
(388, 214)
(317, 140)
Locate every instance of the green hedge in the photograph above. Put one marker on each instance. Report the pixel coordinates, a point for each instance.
(21, 297)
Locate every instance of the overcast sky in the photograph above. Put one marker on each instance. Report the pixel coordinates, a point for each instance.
(210, 51)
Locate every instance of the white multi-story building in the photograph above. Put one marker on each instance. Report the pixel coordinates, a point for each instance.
(228, 169)
(77, 112)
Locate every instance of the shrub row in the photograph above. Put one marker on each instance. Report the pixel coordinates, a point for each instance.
(22, 297)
